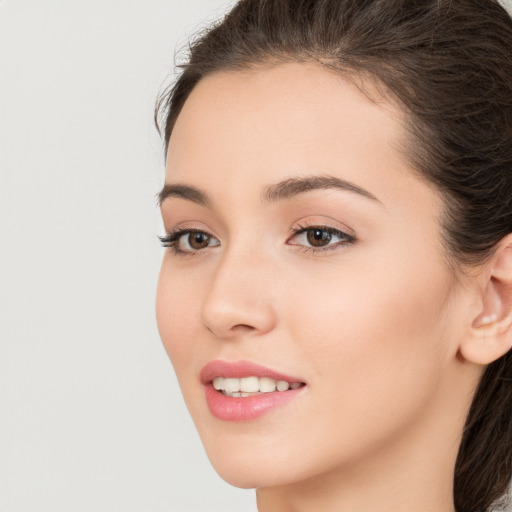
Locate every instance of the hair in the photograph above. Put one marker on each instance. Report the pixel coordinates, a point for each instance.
(448, 65)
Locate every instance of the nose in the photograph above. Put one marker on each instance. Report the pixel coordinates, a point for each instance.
(238, 301)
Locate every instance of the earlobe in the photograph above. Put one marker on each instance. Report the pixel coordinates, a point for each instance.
(490, 335)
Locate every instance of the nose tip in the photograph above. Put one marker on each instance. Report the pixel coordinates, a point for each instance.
(229, 317)
(238, 303)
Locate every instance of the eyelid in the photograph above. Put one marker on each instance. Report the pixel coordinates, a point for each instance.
(321, 221)
(171, 239)
(187, 226)
(345, 234)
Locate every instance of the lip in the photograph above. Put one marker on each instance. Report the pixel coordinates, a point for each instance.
(243, 409)
(239, 369)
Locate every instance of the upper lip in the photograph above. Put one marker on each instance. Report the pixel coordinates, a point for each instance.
(239, 369)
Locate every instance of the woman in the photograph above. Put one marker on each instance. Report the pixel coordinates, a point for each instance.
(336, 296)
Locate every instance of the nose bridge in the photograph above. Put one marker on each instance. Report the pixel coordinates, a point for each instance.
(239, 296)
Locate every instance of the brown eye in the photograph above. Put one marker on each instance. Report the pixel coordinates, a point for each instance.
(187, 241)
(318, 237)
(198, 240)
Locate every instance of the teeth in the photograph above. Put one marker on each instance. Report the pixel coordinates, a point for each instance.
(231, 385)
(282, 385)
(218, 383)
(267, 385)
(248, 386)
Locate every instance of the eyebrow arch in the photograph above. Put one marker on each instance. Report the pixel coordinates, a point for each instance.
(295, 186)
(184, 192)
(273, 193)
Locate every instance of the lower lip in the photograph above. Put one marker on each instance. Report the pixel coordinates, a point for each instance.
(231, 408)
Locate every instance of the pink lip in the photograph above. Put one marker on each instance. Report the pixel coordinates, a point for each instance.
(242, 409)
(239, 369)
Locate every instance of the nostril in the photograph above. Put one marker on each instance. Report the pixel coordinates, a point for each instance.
(241, 328)
(235, 329)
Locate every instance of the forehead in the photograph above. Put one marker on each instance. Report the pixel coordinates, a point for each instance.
(274, 122)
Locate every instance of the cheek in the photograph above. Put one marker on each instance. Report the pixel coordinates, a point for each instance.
(369, 312)
(376, 348)
(177, 313)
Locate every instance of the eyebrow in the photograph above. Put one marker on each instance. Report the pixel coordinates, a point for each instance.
(294, 186)
(184, 192)
(273, 193)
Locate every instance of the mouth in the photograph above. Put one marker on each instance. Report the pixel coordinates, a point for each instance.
(241, 390)
(252, 386)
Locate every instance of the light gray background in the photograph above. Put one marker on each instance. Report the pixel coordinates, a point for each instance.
(91, 417)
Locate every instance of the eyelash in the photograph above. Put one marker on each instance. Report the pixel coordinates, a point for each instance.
(171, 240)
(345, 238)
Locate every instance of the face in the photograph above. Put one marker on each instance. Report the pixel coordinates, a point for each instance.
(303, 249)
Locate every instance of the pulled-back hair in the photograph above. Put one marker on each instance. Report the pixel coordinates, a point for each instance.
(448, 64)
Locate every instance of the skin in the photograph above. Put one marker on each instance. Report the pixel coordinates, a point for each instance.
(374, 327)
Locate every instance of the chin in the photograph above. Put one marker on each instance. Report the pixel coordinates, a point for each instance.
(251, 474)
(259, 461)
(245, 464)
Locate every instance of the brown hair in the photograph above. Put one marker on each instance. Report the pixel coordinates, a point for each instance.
(448, 63)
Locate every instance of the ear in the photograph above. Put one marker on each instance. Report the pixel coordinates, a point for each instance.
(490, 335)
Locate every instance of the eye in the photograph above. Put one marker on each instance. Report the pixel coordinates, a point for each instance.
(188, 241)
(320, 237)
